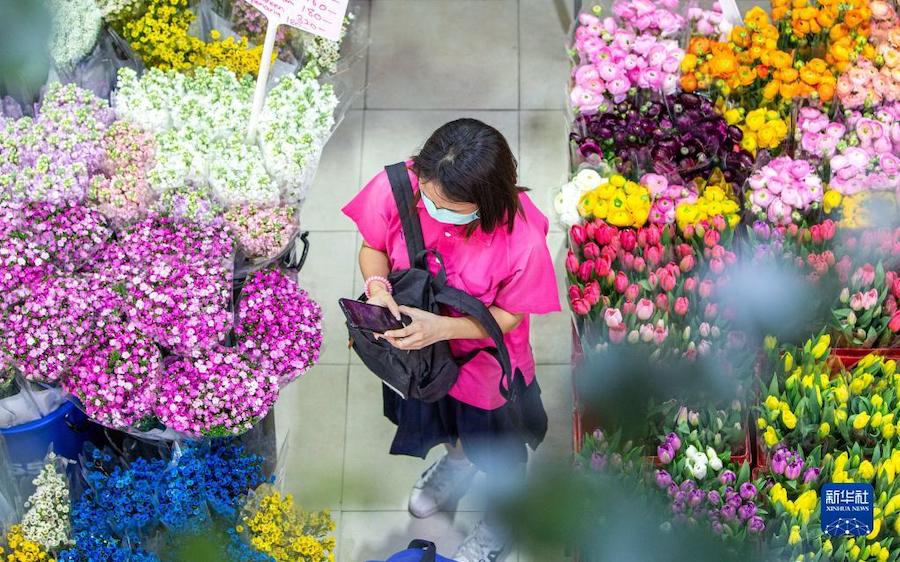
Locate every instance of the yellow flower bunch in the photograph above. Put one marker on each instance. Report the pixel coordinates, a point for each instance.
(763, 128)
(716, 199)
(160, 36)
(857, 210)
(20, 549)
(801, 508)
(276, 527)
(618, 201)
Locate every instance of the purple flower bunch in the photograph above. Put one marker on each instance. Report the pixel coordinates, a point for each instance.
(861, 149)
(53, 156)
(669, 448)
(615, 61)
(121, 190)
(177, 282)
(217, 393)
(784, 190)
(650, 17)
(723, 507)
(680, 136)
(261, 232)
(789, 463)
(280, 327)
(115, 377)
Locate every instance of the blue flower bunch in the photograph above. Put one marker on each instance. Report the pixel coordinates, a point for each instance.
(121, 506)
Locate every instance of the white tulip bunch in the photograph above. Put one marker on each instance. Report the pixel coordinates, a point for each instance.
(699, 463)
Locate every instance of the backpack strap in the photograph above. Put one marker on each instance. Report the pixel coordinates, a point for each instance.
(403, 195)
(469, 305)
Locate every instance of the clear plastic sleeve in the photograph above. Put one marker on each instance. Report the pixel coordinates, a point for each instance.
(97, 72)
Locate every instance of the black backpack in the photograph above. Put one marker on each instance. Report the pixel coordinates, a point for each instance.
(427, 374)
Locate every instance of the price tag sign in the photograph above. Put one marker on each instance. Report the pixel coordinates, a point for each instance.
(320, 17)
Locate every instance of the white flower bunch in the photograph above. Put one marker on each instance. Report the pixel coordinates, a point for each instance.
(294, 125)
(46, 520)
(569, 195)
(321, 54)
(76, 24)
(698, 463)
(201, 123)
(110, 8)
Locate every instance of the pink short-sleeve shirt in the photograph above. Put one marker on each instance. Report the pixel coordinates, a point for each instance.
(512, 270)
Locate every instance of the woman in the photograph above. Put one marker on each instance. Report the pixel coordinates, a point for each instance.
(492, 239)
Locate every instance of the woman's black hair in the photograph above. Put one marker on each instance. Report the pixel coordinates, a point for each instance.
(472, 163)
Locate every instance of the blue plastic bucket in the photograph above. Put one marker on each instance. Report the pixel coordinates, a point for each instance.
(66, 429)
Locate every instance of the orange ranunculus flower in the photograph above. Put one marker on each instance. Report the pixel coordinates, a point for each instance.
(778, 12)
(699, 45)
(740, 36)
(789, 74)
(840, 53)
(825, 91)
(817, 65)
(825, 19)
(723, 65)
(853, 18)
(688, 82)
(746, 75)
(807, 13)
(868, 51)
(809, 76)
(762, 71)
(837, 31)
(779, 59)
(771, 89)
(757, 17)
(814, 27)
(801, 28)
(799, 4)
(789, 91)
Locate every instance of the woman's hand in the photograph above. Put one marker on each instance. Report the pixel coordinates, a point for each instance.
(426, 329)
(379, 296)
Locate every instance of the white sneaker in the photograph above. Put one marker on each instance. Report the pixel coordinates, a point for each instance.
(443, 483)
(484, 544)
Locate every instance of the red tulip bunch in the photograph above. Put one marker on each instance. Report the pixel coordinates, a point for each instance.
(647, 286)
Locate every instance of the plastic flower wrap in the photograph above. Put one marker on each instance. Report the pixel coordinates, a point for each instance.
(618, 201)
(46, 520)
(76, 24)
(53, 156)
(614, 61)
(161, 37)
(200, 123)
(261, 232)
(276, 527)
(681, 137)
(784, 191)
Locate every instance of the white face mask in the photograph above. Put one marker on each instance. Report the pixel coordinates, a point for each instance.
(447, 216)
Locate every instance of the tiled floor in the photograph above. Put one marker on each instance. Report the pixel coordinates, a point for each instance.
(428, 61)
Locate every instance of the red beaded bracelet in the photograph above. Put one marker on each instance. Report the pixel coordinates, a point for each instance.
(383, 280)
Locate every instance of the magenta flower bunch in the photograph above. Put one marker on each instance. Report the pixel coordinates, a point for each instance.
(53, 156)
(178, 282)
(115, 377)
(47, 332)
(613, 60)
(279, 327)
(666, 197)
(650, 17)
(261, 232)
(217, 393)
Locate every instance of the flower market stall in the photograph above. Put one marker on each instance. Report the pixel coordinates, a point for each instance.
(150, 244)
(716, 162)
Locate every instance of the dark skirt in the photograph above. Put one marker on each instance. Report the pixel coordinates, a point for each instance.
(494, 440)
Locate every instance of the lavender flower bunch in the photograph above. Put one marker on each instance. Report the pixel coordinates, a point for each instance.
(53, 156)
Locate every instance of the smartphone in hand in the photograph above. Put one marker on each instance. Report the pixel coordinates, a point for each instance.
(370, 318)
